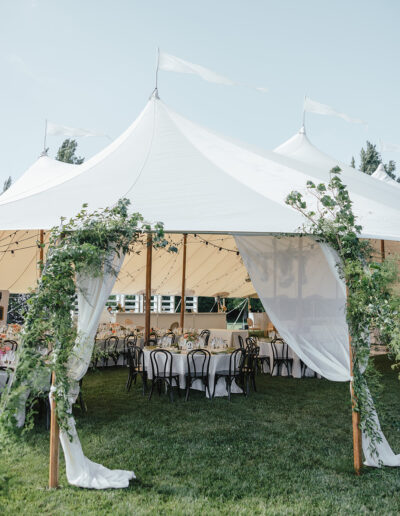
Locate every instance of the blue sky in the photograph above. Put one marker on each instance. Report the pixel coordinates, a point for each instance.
(91, 64)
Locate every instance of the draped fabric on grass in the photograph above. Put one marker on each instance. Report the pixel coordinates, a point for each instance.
(299, 285)
(92, 296)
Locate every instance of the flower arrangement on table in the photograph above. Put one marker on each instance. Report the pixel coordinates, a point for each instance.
(191, 336)
(153, 334)
(4, 350)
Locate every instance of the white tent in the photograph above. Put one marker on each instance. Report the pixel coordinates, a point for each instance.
(200, 183)
(381, 174)
(194, 181)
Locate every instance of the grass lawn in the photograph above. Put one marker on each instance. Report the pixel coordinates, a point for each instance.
(287, 449)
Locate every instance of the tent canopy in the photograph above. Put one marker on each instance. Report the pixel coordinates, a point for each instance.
(194, 181)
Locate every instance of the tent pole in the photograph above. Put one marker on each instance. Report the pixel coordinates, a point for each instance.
(382, 251)
(54, 429)
(54, 441)
(148, 287)
(183, 304)
(357, 446)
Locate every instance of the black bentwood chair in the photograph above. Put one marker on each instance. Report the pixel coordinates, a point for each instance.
(12, 344)
(161, 368)
(241, 342)
(280, 352)
(250, 367)
(5, 374)
(205, 335)
(150, 342)
(136, 367)
(129, 341)
(235, 371)
(111, 349)
(198, 361)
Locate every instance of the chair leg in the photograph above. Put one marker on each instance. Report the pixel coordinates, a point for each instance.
(216, 378)
(151, 390)
(171, 392)
(144, 383)
(129, 382)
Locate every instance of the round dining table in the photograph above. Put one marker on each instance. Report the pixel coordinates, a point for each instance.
(218, 361)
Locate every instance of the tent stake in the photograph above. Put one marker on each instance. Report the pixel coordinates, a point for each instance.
(183, 303)
(355, 416)
(148, 287)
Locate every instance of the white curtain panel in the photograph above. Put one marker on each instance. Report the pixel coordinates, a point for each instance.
(298, 283)
(92, 296)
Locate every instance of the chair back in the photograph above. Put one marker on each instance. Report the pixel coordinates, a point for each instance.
(135, 357)
(279, 349)
(241, 341)
(130, 341)
(161, 362)
(4, 373)
(150, 342)
(205, 335)
(236, 361)
(252, 353)
(198, 361)
(12, 344)
(170, 336)
(111, 343)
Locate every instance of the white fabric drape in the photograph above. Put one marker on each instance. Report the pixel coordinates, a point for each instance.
(302, 298)
(92, 296)
(299, 285)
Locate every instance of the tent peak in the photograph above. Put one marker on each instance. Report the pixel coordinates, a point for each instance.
(154, 94)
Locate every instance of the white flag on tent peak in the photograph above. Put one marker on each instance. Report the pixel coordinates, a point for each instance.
(170, 63)
(73, 132)
(311, 106)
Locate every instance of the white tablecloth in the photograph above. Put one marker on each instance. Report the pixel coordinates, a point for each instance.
(266, 350)
(218, 362)
(229, 336)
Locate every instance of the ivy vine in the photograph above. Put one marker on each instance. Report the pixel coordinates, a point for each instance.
(81, 245)
(372, 304)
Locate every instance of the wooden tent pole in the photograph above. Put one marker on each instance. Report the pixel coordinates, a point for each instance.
(183, 304)
(382, 250)
(54, 441)
(148, 287)
(54, 429)
(355, 416)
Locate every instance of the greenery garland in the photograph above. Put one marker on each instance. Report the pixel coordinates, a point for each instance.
(371, 303)
(82, 244)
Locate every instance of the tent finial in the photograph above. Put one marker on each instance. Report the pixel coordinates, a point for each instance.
(45, 149)
(157, 66)
(303, 127)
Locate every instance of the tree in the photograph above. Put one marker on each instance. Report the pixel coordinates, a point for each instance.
(66, 152)
(353, 162)
(7, 184)
(370, 159)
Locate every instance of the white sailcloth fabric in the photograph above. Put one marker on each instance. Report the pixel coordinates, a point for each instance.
(170, 63)
(92, 296)
(299, 285)
(313, 106)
